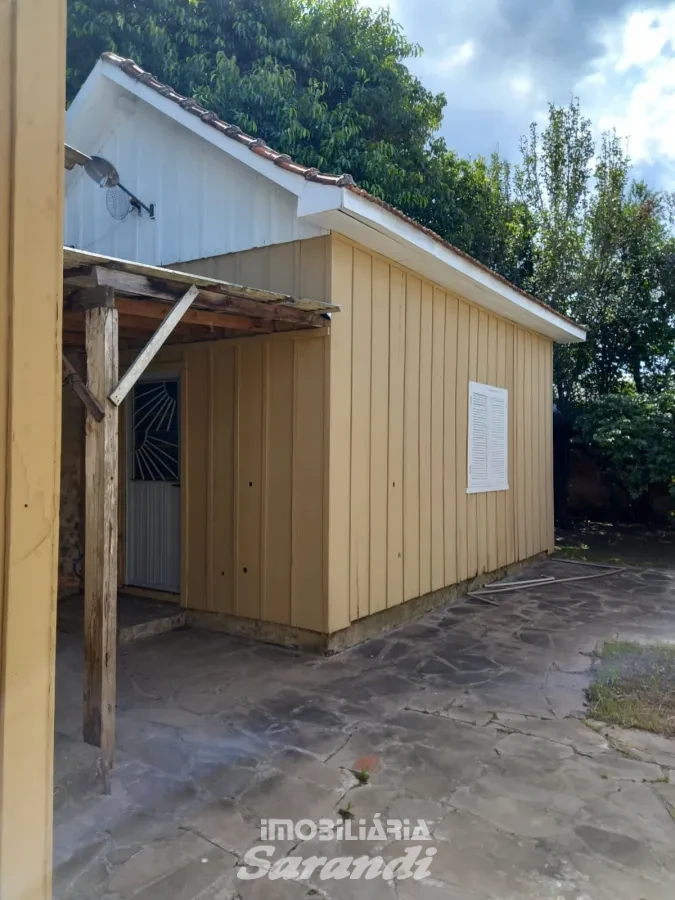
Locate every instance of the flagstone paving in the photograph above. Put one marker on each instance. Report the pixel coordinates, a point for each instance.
(474, 714)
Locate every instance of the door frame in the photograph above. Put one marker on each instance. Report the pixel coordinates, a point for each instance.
(155, 372)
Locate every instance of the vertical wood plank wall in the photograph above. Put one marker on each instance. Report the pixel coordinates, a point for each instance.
(298, 268)
(253, 495)
(402, 353)
(254, 419)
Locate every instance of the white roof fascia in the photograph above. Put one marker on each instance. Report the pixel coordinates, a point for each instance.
(356, 217)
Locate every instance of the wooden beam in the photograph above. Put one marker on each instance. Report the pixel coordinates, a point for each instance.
(89, 298)
(74, 321)
(80, 389)
(157, 310)
(153, 346)
(243, 303)
(100, 560)
(137, 330)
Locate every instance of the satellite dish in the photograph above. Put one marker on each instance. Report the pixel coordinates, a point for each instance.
(119, 200)
(102, 172)
(118, 203)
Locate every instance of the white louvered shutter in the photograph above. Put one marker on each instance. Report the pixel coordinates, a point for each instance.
(488, 438)
(498, 467)
(479, 438)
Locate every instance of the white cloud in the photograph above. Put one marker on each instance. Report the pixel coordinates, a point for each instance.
(521, 85)
(633, 88)
(645, 35)
(456, 58)
(500, 62)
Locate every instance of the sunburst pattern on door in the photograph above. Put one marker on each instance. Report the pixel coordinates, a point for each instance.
(155, 431)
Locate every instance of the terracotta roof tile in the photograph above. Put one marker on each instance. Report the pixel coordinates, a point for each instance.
(284, 161)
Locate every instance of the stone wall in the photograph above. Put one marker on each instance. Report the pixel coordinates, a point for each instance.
(71, 525)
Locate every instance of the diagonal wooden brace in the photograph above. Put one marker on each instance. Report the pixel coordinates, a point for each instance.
(153, 346)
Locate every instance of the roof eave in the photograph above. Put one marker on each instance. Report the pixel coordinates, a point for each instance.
(345, 212)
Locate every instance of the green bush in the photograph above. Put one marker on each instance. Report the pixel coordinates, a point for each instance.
(632, 436)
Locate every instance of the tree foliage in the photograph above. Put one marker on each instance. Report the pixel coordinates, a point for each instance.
(633, 436)
(602, 253)
(322, 80)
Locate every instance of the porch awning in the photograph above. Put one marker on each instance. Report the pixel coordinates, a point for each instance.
(145, 294)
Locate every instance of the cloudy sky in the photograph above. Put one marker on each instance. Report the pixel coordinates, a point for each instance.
(500, 61)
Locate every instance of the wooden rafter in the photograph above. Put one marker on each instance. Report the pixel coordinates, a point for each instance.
(156, 310)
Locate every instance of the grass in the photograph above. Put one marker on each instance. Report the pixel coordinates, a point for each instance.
(362, 776)
(634, 687)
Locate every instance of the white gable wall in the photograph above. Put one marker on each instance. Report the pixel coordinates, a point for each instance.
(206, 203)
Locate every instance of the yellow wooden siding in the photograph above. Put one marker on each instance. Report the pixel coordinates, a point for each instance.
(426, 324)
(307, 554)
(32, 82)
(253, 472)
(437, 411)
(411, 439)
(396, 378)
(298, 268)
(195, 432)
(449, 453)
(379, 431)
(278, 542)
(254, 521)
(359, 588)
(399, 383)
(339, 446)
(462, 379)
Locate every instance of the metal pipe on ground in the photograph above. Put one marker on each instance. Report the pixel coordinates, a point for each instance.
(517, 586)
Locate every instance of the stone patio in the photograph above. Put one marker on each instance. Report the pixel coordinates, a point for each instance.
(474, 714)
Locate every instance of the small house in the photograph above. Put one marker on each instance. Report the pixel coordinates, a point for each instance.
(309, 486)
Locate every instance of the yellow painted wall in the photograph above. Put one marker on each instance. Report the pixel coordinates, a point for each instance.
(325, 476)
(298, 268)
(402, 353)
(32, 80)
(253, 420)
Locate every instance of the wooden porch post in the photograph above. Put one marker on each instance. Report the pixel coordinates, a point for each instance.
(100, 551)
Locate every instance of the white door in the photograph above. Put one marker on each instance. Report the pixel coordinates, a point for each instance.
(153, 485)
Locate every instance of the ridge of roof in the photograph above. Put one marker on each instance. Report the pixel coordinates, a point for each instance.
(284, 161)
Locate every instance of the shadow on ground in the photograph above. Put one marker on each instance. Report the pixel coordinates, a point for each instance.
(475, 713)
(621, 545)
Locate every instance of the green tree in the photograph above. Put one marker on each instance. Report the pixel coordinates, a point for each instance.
(633, 439)
(324, 81)
(602, 253)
